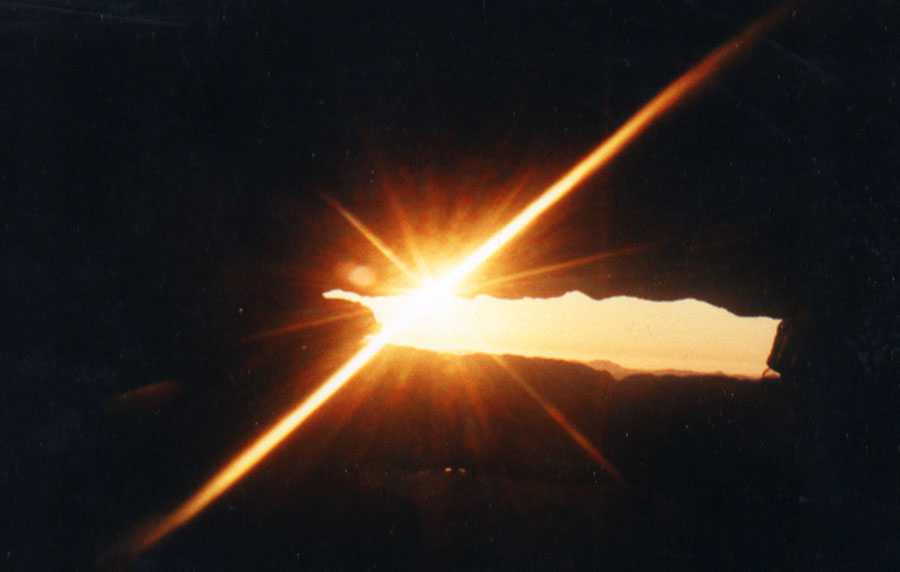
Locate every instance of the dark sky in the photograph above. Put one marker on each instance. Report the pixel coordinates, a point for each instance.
(161, 165)
(200, 139)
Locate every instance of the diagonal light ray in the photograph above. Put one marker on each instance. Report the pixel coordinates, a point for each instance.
(249, 457)
(550, 268)
(663, 102)
(409, 236)
(650, 112)
(559, 417)
(371, 237)
(300, 326)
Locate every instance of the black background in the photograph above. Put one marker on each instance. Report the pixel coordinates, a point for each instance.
(161, 170)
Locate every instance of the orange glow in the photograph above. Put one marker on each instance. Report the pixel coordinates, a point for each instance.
(633, 333)
(370, 236)
(440, 289)
(550, 268)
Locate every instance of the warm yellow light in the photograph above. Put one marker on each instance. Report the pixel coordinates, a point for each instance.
(633, 333)
(246, 459)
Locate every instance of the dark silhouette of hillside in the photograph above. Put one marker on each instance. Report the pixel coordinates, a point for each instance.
(434, 460)
(619, 372)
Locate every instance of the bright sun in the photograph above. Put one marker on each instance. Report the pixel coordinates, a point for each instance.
(439, 306)
(437, 300)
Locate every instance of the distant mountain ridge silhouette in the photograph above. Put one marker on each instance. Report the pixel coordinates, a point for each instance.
(619, 372)
(414, 410)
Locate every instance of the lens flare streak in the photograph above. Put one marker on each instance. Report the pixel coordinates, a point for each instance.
(580, 438)
(370, 236)
(551, 268)
(300, 326)
(256, 451)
